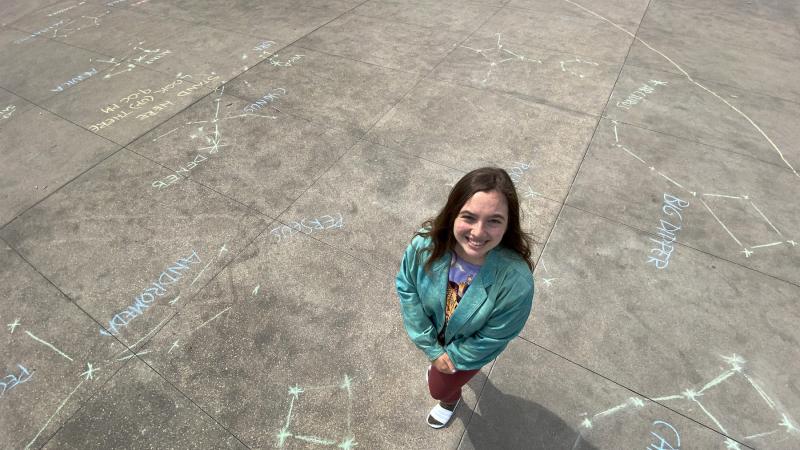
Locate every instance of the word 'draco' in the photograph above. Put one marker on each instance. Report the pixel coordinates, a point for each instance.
(270, 97)
(144, 300)
(639, 94)
(667, 231)
(287, 63)
(263, 46)
(307, 226)
(11, 381)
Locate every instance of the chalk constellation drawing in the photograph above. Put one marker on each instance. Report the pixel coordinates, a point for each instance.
(209, 132)
(498, 55)
(734, 372)
(346, 442)
(548, 281)
(775, 240)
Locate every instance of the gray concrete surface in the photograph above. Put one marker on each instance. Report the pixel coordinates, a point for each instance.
(203, 205)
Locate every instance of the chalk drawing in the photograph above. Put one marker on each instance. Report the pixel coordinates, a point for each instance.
(63, 10)
(735, 371)
(13, 325)
(6, 112)
(345, 442)
(268, 98)
(662, 443)
(40, 32)
(285, 63)
(548, 281)
(666, 231)
(498, 55)
(50, 419)
(571, 66)
(691, 80)
(635, 97)
(146, 297)
(517, 170)
(11, 380)
(306, 226)
(747, 250)
(255, 290)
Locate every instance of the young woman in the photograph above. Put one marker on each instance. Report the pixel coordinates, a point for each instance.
(465, 284)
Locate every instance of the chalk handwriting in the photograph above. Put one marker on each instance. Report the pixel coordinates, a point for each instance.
(663, 443)
(306, 226)
(263, 46)
(667, 231)
(6, 112)
(171, 179)
(270, 97)
(517, 170)
(11, 381)
(639, 94)
(197, 85)
(287, 63)
(75, 80)
(144, 300)
(39, 32)
(155, 110)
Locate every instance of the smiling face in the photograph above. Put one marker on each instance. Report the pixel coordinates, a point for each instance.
(480, 225)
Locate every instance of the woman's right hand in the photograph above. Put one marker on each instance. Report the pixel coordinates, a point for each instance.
(443, 364)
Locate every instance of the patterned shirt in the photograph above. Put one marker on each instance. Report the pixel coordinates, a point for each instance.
(460, 277)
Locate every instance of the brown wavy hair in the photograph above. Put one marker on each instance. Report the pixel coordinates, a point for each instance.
(485, 179)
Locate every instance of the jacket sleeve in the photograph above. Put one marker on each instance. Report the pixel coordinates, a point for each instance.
(418, 325)
(511, 313)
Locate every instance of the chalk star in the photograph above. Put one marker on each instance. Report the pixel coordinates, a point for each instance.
(652, 168)
(587, 423)
(736, 362)
(282, 435)
(548, 281)
(746, 252)
(787, 423)
(348, 443)
(89, 373)
(174, 346)
(13, 325)
(295, 391)
(636, 401)
(224, 248)
(791, 242)
(690, 394)
(346, 383)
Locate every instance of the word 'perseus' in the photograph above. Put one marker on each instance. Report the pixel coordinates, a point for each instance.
(268, 98)
(639, 94)
(667, 231)
(145, 299)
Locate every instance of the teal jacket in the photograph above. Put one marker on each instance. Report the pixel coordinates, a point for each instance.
(491, 313)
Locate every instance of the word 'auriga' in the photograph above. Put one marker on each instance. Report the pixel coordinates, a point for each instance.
(667, 231)
(639, 94)
(270, 97)
(11, 381)
(145, 299)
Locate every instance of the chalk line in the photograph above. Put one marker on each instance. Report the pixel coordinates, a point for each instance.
(719, 425)
(753, 436)
(132, 355)
(725, 375)
(720, 222)
(767, 245)
(314, 440)
(209, 320)
(721, 195)
(670, 397)
(631, 153)
(689, 77)
(165, 134)
(201, 270)
(53, 347)
(54, 414)
(761, 392)
(146, 335)
(765, 218)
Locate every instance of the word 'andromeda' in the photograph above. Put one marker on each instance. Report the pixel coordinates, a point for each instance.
(158, 289)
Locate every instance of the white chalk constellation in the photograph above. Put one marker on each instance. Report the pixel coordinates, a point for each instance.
(778, 240)
(499, 55)
(13, 325)
(346, 442)
(734, 371)
(88, 374)
(568, 66)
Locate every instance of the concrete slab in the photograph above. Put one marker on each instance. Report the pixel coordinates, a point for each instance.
(264, 159)
(569, 407)
(125, 106)
(734, 210)
(385, 43)
(490, 128)
(64, 66)
(711, 340)
(42, 152)
(137, 409)
(244, 350)
(759, 56)
(560, 26)
(710, 113)
(331, 90)
(96, 27)
(131, 252)
(48, 346)
(557, 79)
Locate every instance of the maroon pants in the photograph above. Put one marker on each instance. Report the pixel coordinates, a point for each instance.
(447, 387)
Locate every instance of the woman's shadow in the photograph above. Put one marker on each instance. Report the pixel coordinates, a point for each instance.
(504, 421)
